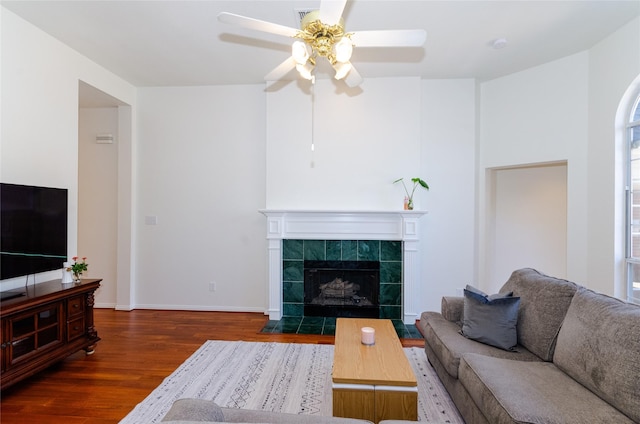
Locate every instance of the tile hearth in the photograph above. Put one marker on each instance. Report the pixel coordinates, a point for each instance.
(327, 326)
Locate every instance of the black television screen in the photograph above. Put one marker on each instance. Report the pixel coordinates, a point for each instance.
(33, 229)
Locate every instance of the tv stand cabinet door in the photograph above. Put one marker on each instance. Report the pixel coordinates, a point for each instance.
(34, 332)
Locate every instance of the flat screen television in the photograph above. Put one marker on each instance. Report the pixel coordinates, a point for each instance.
(33, 229)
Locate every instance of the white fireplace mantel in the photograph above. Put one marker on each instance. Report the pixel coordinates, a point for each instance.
(398, 225)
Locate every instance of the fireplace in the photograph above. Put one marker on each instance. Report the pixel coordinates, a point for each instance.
(342, 288)
(392, 226)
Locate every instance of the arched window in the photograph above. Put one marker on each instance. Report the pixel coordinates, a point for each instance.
(633, 204)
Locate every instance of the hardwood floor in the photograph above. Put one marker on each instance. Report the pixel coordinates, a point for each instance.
(137, 351)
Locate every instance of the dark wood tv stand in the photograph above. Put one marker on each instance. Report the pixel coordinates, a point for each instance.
(49, 323)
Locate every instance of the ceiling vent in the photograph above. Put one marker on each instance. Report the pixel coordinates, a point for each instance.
(298, 14)
(104, 138)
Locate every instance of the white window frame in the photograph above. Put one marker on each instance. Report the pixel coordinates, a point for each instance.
(633, 288)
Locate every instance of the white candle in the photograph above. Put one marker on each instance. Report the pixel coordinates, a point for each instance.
(368, 336)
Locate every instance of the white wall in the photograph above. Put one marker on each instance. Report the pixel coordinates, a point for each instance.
(39, 134)
(537, 116)
(195, 138)
(363, 142)
(201, 174)
(448, 121)
(98, 199)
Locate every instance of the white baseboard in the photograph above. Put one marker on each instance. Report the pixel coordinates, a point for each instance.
(164, 307)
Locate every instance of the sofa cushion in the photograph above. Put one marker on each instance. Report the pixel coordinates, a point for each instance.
(510, 391)
(544, 302)
(490, 319)
(445, 340)
(599, 346)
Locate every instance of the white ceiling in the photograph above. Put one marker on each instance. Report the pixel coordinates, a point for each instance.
(178, 43)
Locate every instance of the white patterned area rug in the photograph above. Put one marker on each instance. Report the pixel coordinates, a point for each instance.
(280, 377)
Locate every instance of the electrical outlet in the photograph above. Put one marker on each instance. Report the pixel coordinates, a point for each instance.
(212, 286)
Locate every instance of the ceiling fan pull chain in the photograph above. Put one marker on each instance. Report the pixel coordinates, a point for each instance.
(313, 101)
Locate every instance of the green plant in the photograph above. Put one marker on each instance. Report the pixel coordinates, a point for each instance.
(416, 182)
(78, 268)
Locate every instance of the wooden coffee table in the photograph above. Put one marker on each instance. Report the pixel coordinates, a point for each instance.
(376, 382)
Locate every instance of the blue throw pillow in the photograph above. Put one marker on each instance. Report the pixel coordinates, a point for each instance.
(490, 319)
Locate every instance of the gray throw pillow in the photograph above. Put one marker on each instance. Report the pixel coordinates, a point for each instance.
(491, 319)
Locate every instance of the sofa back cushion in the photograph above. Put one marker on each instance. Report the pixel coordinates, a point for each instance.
(544, 302)
(599, 346)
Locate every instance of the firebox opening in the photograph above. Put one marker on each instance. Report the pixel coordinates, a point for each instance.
(342, 288)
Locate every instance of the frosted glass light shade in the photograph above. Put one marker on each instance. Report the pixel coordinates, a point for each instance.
(342, 69)
(300, 52)
(305, 70)
(343, 50)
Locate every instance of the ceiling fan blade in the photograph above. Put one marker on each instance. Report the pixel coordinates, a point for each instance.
(256, 24)
(353, 78)
(390, 38)
(331, 11)
(281, 70)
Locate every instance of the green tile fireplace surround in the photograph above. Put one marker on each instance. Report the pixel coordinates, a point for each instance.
(391, 238)
(388, 253)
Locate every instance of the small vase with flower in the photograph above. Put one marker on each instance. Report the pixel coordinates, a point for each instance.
(408, 199)
(77, 268)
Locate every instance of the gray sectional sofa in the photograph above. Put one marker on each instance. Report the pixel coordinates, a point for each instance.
(577, 357)
(185, 411)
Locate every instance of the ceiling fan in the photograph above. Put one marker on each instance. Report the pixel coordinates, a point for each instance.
(322, 34)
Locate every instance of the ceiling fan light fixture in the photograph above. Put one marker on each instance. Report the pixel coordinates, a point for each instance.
(343, 50)
(342, 69)
(300, 52)
(322, 34)
(305, 70)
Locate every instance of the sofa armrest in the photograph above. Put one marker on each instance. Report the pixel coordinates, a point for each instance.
(188, 411)
(452, 307)
(194, 410)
